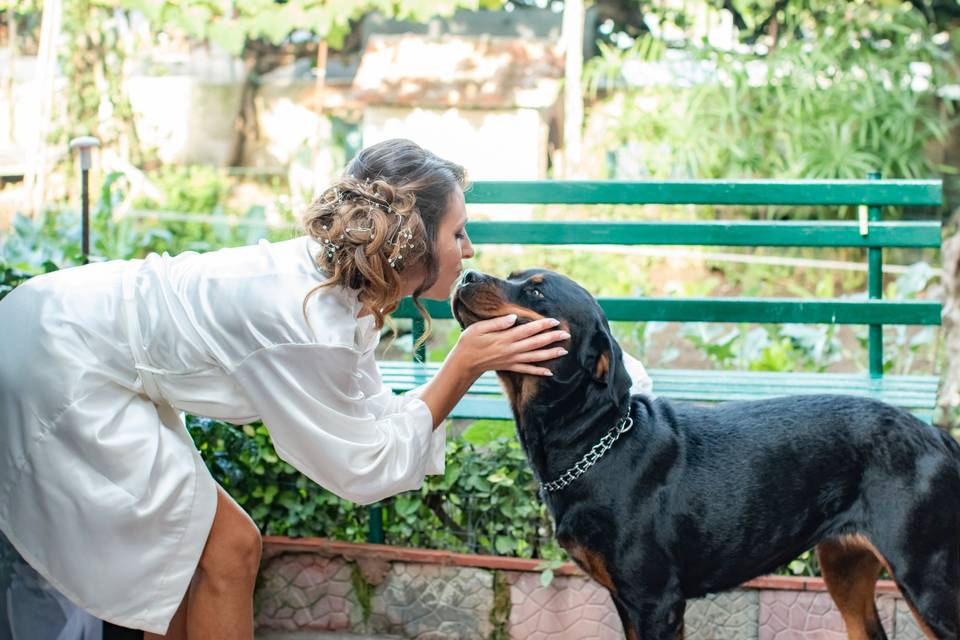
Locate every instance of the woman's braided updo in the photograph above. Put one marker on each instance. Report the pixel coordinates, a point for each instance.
(380, 220)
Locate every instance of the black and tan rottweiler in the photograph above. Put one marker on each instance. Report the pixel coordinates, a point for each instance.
(683, 500)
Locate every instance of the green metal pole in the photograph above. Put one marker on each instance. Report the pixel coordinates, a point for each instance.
(875, 291)
(375, 527)
(85, 144)
(419, 327)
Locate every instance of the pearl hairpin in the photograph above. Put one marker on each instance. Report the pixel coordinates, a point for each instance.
(401, 240)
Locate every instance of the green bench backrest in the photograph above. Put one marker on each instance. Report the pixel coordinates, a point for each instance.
(872, 194)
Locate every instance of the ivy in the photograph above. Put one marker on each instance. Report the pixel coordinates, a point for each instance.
(502, 606)
(363, 591)
(486, 501)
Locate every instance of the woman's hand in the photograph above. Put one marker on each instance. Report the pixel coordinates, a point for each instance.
(496, 345)
(499, 344)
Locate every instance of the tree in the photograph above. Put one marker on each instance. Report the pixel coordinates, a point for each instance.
(268, 33)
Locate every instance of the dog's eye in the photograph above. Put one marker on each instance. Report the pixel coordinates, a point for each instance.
(536, 293)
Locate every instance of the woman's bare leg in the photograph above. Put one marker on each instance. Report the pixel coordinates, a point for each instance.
(220, 599)
(178, 625)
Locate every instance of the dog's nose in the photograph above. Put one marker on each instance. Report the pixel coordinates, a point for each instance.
(469, 277)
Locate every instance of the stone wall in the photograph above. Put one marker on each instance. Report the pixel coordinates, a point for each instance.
(318, 588)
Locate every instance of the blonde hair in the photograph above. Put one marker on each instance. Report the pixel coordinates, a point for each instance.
(381, 219)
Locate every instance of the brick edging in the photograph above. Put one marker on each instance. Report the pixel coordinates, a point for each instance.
(325, 546)
(276, 545)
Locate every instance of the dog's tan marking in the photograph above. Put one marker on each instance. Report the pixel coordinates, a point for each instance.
(521, 389)
(537, 279)
(488, 301)
(522, 312)
(529, 385)
(603, 364)
(862, 542)
(850, 566)
(504, 310)
(592, 563)
(511, 384)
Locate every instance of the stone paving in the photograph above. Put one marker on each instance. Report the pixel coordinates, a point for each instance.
(723, 616)
(435, 602)
(572, 607)
(366, 591)
(305, 591)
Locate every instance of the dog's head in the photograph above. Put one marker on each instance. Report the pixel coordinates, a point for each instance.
(592, 372)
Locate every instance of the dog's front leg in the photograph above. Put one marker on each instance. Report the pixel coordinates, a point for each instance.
(652, 619)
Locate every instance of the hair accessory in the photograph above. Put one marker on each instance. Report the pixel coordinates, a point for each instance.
(340, 196)
(402, 235)
(402, 242)
(366, 229)
(330, 247)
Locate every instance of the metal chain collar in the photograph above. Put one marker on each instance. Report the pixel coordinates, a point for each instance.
(591, 458)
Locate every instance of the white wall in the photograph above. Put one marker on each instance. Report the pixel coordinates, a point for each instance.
(492, 145)
(186, 119)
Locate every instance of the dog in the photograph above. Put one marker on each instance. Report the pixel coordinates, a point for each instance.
(662, 501)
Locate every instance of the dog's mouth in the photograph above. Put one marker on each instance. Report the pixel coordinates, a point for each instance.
(473, 302)
(462, 312)
(466, 309)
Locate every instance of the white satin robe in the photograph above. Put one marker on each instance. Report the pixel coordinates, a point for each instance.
(101, 488)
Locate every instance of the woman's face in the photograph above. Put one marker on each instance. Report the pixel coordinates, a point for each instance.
(452, 246)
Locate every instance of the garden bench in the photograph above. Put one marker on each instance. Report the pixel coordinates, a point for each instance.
(916, 393)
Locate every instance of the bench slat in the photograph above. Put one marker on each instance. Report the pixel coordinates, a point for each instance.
(716, 192)
(918, 389)
(763, 310)
(709, 376)
(916, 393)
(729, 234)
(702, 376)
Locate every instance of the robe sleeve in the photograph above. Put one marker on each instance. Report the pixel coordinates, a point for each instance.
(383, 402)
(642, 384)
(361, 447)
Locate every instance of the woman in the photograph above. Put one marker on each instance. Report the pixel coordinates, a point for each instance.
(101, 488)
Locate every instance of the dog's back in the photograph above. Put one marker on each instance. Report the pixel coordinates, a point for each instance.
(759, 482)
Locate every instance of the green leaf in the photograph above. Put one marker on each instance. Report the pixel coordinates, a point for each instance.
(500, 477)
(276, 25)
(546, 578)
(230, 35)
(406, 507)
(505, 545)
(483, 432)
(151, 9)
(269, 493)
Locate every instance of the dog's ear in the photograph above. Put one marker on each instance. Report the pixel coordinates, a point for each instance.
(594, 354)
(601, 354)
(602, 357)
